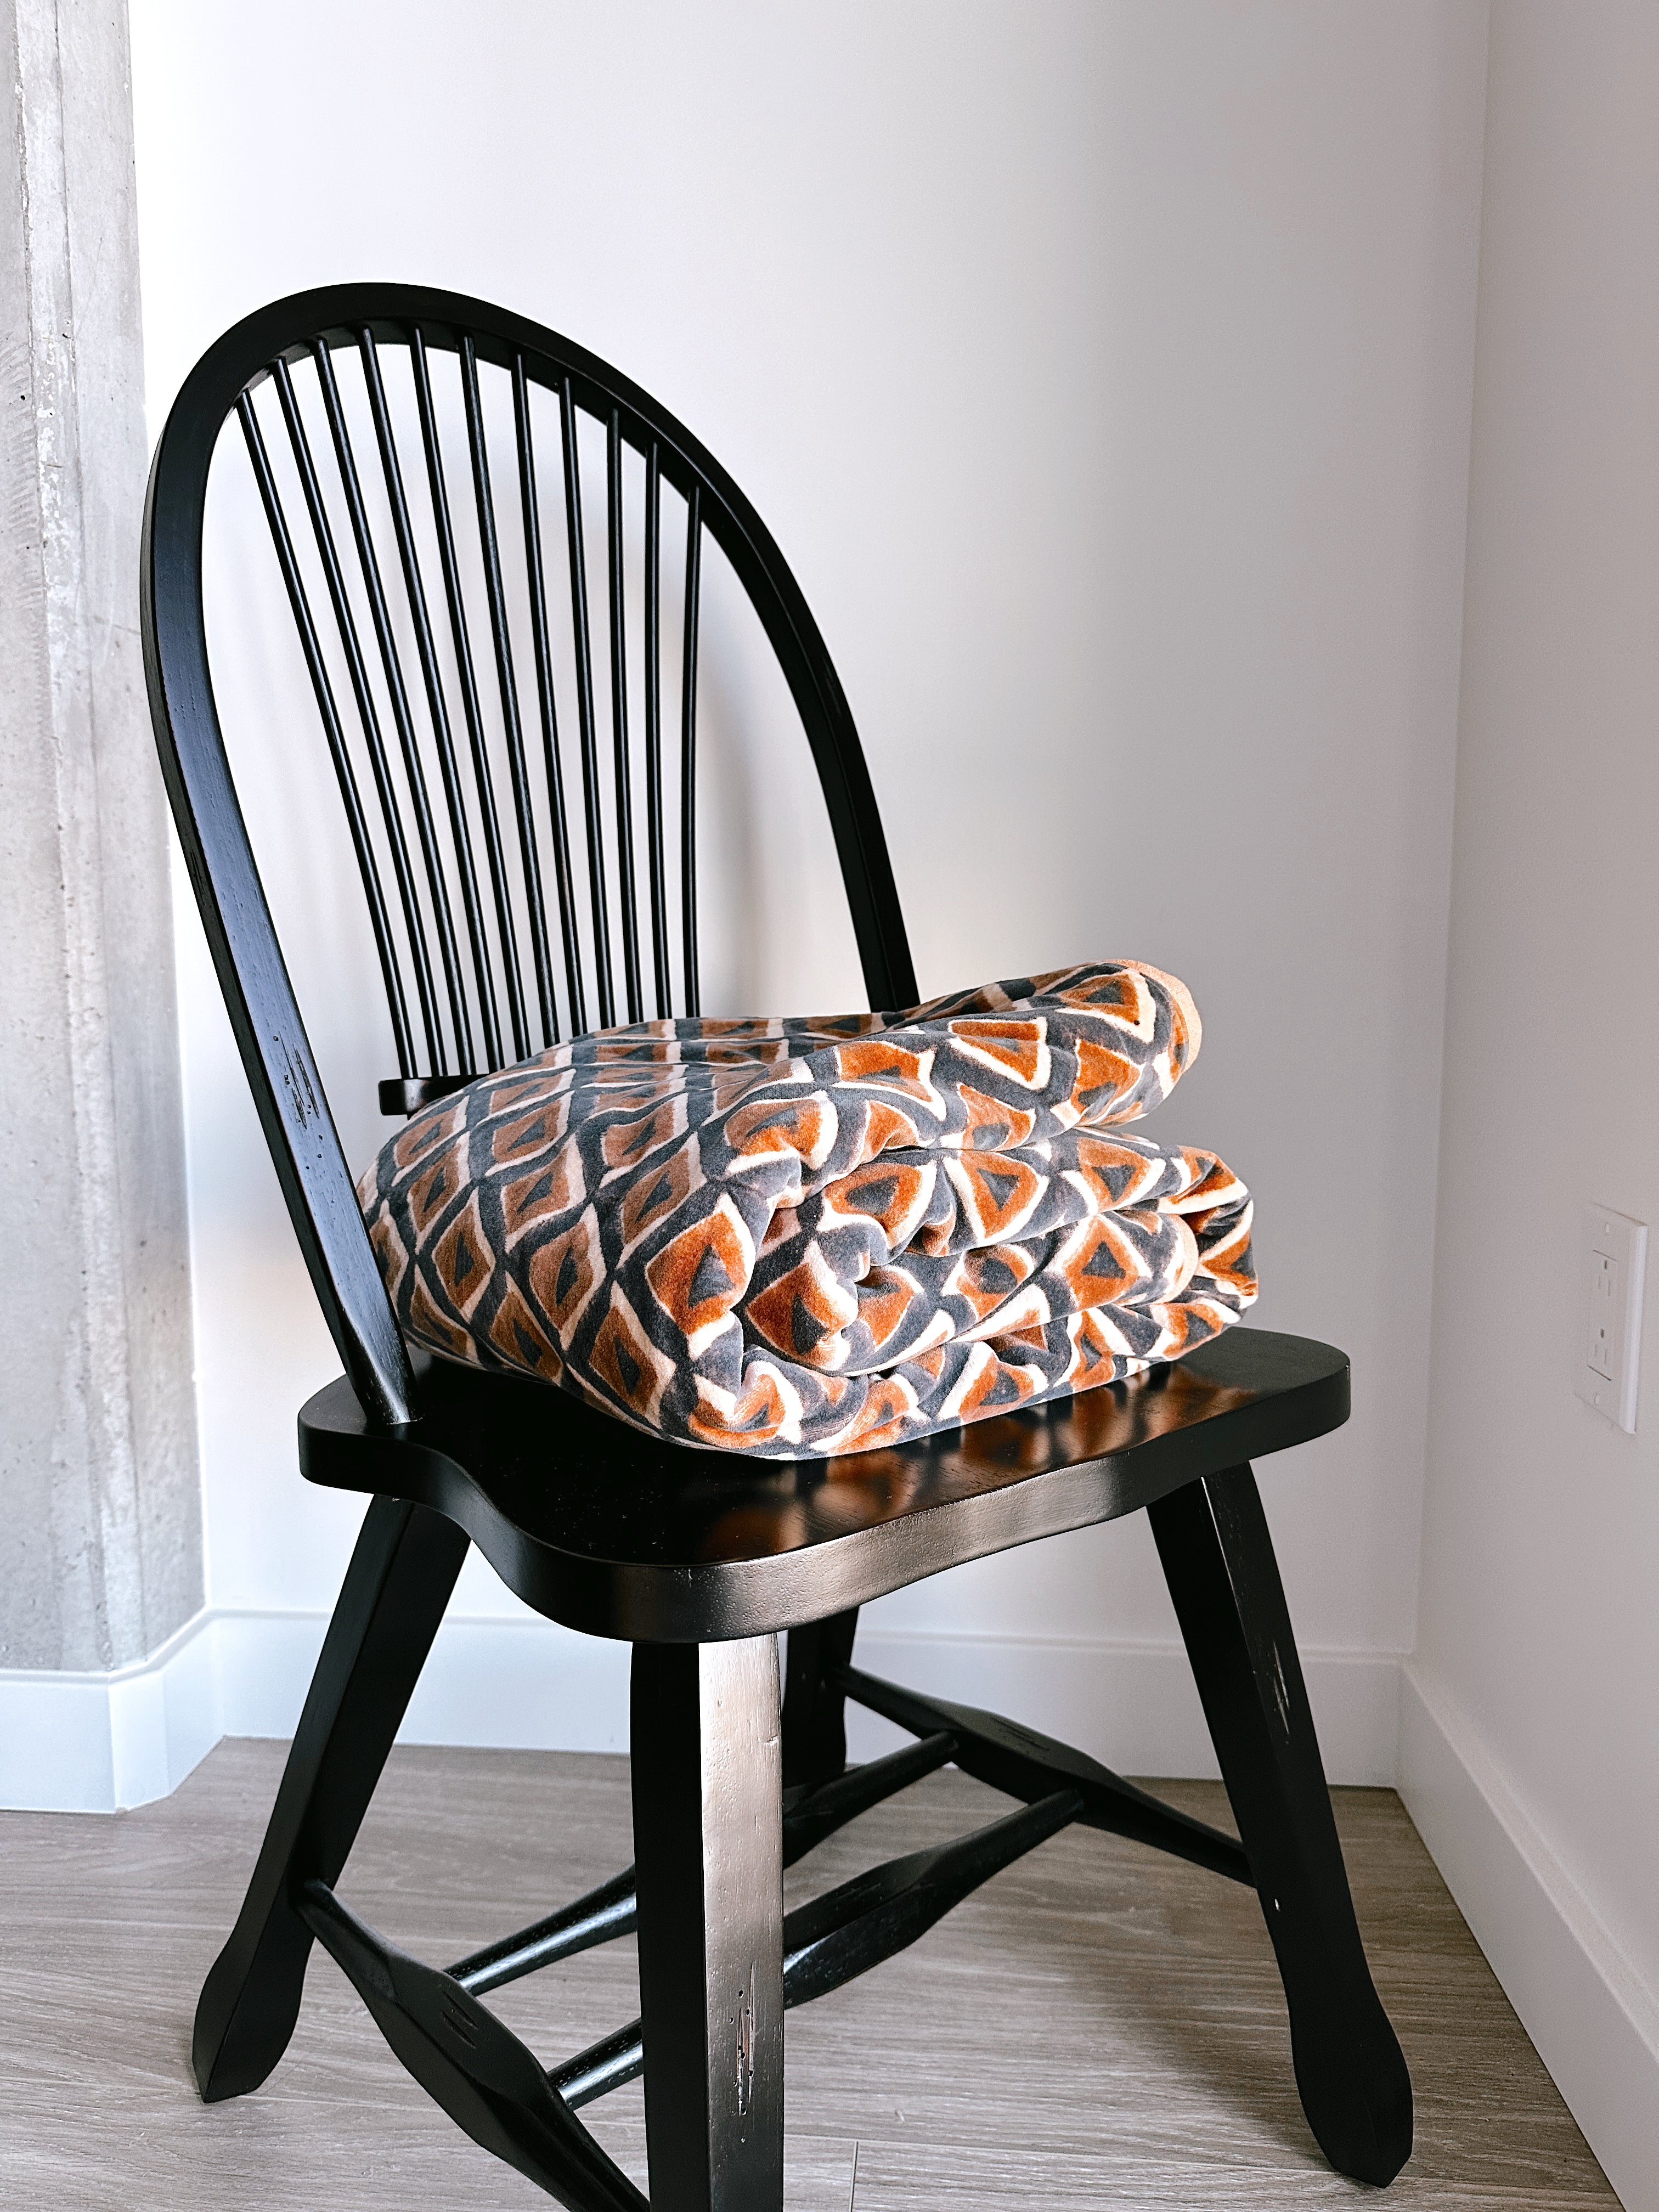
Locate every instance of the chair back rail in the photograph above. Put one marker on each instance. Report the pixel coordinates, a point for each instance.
(428, 620)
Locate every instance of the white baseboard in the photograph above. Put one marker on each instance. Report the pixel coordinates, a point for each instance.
(505, 1683)
(93, 1743)
(100, 1743)
(96, 1743)
(1133, 1706)
(1593, 2021)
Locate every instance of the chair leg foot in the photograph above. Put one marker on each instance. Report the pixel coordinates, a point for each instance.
(395, 1590)
(1219, 1560)
(814, 1707)
(709, 1850)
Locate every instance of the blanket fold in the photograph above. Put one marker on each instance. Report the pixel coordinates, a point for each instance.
(789, 1237)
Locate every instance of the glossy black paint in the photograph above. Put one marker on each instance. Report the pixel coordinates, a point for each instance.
(1219, 1560)
(396, 1588)
(599, 1916)
(816, 1813)
(814, 1707)
(879, 1913)
(622, 1535)
(708, 1860)
(1027, 1764)
(471, 2065)
(844, 1933)
(605, 1913)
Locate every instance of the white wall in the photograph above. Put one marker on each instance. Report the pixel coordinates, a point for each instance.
(1104, 372)
(1539, 1655)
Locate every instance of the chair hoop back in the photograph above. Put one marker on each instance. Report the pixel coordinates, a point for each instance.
(477, 961)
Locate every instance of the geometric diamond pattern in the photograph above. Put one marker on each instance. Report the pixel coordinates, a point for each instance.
(791, 1238)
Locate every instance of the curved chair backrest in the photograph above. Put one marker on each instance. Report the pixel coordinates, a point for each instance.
(421, 747)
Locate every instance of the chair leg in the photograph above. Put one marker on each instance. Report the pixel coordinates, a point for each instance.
(707, 1845)
(395, 1590)
(814, 1710)
(1219, 1560)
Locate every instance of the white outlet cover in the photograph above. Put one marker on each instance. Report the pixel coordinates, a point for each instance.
(1607, 1332)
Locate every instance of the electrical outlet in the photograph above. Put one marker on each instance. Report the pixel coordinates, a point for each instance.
(1606, 1356)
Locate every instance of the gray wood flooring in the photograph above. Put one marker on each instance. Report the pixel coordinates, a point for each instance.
(1099, 2026)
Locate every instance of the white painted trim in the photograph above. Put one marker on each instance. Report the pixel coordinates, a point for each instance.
(1593, 2021)
(1134, 1706)
(90, 1743)
(507, 1682)
(98, 1743)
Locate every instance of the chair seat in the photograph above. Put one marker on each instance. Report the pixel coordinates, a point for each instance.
(621, 1534)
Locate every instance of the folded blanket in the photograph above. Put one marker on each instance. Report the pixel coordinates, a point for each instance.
(794, 1237)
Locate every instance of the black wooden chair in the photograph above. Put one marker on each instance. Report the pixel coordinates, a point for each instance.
(697, 1560)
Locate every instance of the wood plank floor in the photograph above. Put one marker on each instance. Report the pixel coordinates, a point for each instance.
(1099, 2026)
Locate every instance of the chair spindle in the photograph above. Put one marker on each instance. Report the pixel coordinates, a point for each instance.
(688, 749)
(619, 717)
(374, 742)
(309, 645)
(542, 645)
(403, 718)
(572, 513)
(488, 821)
(654, 724)
(529, 850)
(437, 706)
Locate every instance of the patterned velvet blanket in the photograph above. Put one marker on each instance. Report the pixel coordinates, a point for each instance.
(792, 1238)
